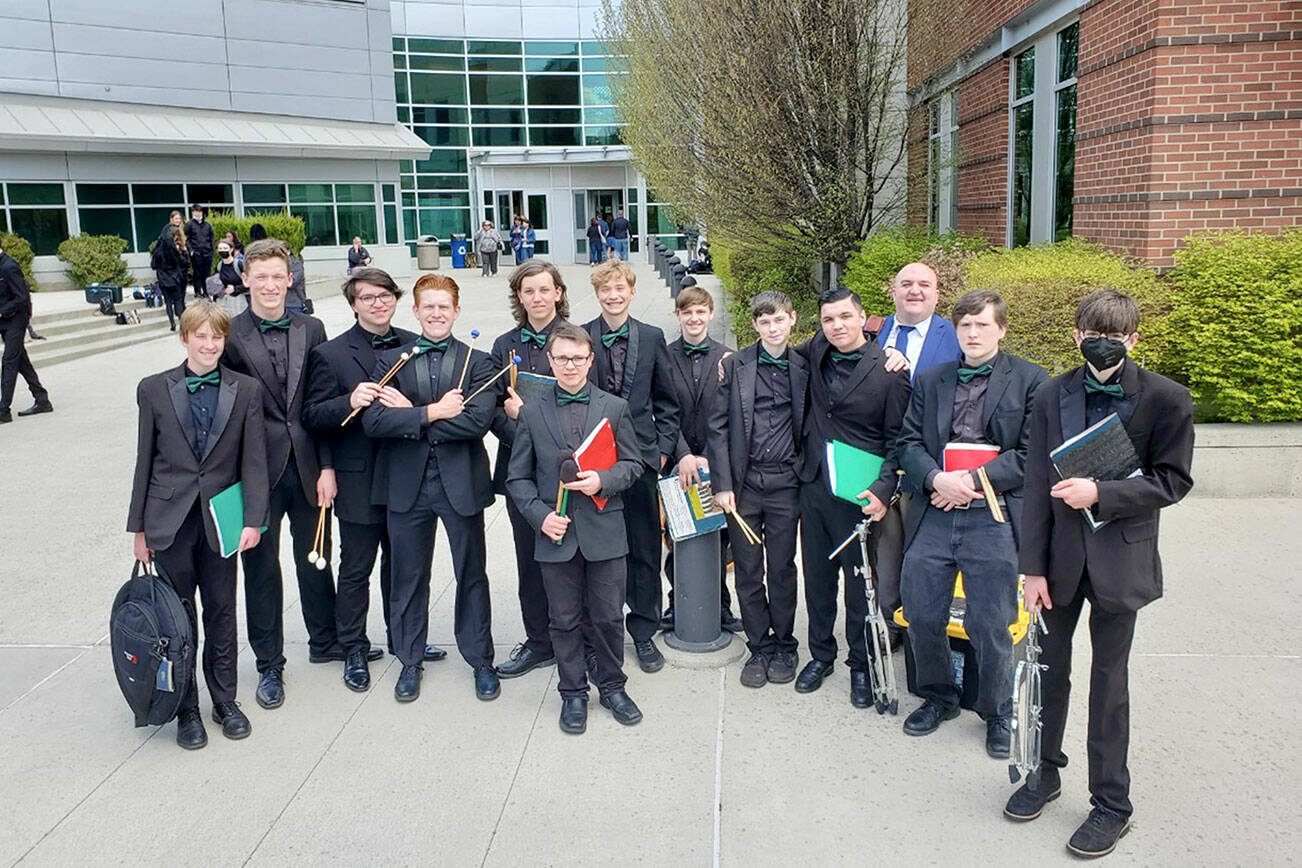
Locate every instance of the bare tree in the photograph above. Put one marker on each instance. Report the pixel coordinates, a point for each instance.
(779, 125)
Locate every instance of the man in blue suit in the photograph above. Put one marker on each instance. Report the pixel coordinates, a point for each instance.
(914, 339)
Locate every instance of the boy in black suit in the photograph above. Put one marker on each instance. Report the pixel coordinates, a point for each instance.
(756, 424)
(582, 554)
(984, 399)
(433, 468)
(695, 357)
(272, 345)
(632, 362)
(1116, 569)
(853, 399)
(15, 317)
(200, 432)
(339, 383)
(538, 303)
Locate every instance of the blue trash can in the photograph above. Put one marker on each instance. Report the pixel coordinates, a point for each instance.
(459, 251)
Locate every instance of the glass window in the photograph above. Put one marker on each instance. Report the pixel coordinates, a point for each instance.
(602, 136)
(444, 222)
(561, 49)
(444, 182)
(400, 91)
(452, 64)
(210, 194)
(264, 194)
(409, 222)
(404, 114)
(407, 182)
(399, 44)
(541, 245)
(354, 192)
(1067, 45)
(594, 64)
(1023, 130)
(437, 115)
(600, 116)
(162, 194)
(632, 194)
(551, 64)
(537, 211)
(496, 90)
(310, 193)
(149, 224)
(554, 137)
(319, 221)
(44, 228)
(593, 48)
(443, 160)
(1025, 73)
(388, 192)
(400, 61)
(41, 194)
(555, 116)
(455, 136)
(659, 222)
(1065, 176)
(553, 90)
(499, 137)
(596, 90)
(4, 221)
(494, 64)
(429, 87)
(435, 46)
(390, 224)
(475, 46)
(497, 116)
(443, 200)
(357, 220)
(107, 221)
(103, 194)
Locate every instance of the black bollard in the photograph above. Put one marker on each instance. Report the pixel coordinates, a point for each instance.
(696, 596)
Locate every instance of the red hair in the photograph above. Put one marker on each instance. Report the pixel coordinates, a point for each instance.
(437, 281)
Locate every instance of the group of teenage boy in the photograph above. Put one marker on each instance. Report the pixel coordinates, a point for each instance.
(387, 427)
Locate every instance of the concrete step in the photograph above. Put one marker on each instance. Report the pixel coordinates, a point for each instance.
(64, 316)
(46, 353)
(68, 328)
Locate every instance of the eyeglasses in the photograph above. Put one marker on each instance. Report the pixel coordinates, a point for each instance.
(373, 298)
(1115, 336)
(569, 361)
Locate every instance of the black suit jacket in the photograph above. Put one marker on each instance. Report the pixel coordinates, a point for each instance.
(170, 476)
(648, 388)
(247, 354)
(598, 535)
(335, 368)
(407, 436)
(15, 296)
(1124, 568)
(695, 400)
(732, 415)
(505, 347)
(1005, 413)
(867, 413)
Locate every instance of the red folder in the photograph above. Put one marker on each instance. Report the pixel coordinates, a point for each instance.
(597, 452)
(968, 456)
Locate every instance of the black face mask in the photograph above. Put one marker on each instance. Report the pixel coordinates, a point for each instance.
(1102, 353)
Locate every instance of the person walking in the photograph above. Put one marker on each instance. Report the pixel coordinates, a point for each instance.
(199, 238)
(596, 243)
(517, 238)
(527, 240)
(170, 261)
(15, 316)
(488, 244)
(619, 234)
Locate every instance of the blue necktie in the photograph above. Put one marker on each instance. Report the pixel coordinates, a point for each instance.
(902, 339)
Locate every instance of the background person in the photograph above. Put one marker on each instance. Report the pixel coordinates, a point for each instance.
(488, 244)
(171, 263)
(358, 256)
(596, 243)
(199, 238)
(619, 229)
(15, 316)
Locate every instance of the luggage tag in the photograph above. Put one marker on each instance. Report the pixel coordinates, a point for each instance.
(163, 678)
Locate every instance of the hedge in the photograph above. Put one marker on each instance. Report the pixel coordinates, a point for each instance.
(17, 247)
(96, 259)
(1235, 330)
(872, 267)
(746, 274)
(279, 224)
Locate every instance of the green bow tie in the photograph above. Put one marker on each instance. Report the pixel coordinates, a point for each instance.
(266, 325)
(1093, 387)
(609, 338)
(563, 397)
(528, 334)
(195, 383)
(700, 349)
(386, 342)
(847, 357)
(427, 345)
(965, 375)
(780, 364)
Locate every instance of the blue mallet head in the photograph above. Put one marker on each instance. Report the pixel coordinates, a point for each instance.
(474, 333)
(515, 358)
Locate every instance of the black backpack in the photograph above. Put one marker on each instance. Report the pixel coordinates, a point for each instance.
(152, 633)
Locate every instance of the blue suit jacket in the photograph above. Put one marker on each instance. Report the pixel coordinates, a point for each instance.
(940, 346)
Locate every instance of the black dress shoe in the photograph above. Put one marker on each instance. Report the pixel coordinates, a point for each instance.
(38, 407)
(622, 708)
(433, 654)
(648, 655)
(234, 724)
(730, 622)
(6, 417)
(374, 654)
(811, 677)
(487, 687)
(271, 689)
(667, 619)
(337, 654)
(190, 733)
(861, 692)
(999, 738)
(1028, 802)
(1099, 834)
(574, 714)
(357, 675)
(408, 687)
(756, 671)
(782, 667)
(927, 718)
(524, 660)
(593, 671)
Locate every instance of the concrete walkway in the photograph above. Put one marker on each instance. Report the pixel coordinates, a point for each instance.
(716, 774)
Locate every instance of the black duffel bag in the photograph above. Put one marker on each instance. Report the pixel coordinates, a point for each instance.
(152, 632)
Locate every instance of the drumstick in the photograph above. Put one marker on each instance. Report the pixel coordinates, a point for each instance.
(384, 381)
(490, 381)
(318, 544)
(992, 499)
(474, 335)
(745, 528)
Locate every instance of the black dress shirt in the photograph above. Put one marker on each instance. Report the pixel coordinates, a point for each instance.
(574, 421)
(616, 355)
(835, 373)
(534, 358)
(277, 343)
(969, 400)
(773, 441)
(203, 408)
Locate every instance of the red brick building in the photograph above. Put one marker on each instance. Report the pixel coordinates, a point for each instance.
(1132, 123)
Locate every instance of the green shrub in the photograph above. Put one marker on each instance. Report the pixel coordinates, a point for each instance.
(279, 224)
(1235, 329)
(873, 265)
(745, 274)
(95, 259)
(17, 247)
(1043, 285)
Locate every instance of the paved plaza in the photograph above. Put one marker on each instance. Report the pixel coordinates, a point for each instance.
(716, 773)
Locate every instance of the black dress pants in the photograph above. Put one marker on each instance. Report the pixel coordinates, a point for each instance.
(642, 522)
(200, 268)
(587, 605)
(533, 593)
(191, 565)
(412, 536)
(358, 544)
(825, 522)
(264, 595)
(769, 501)
(174, 302)
(15, 361)
(1107, 741)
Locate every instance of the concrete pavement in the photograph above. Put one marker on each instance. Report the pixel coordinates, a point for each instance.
(716, 774)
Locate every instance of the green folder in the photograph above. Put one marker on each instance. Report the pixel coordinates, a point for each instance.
(227, 510)
(851, 470)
